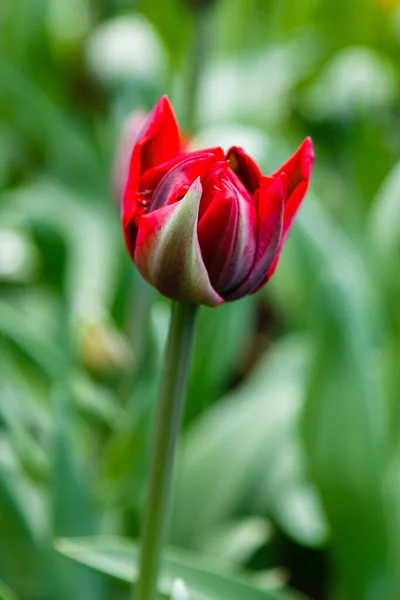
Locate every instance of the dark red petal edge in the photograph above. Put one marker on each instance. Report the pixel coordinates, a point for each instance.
(245, 168)
(270, 197)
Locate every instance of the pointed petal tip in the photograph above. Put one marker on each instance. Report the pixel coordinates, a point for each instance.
(245, 168)
(307, 157)
(277, 184)
(193, 195)
(282, 182)
(196, 186)
(164, 109)
(164, 101)
(168, 255)
(233, 150)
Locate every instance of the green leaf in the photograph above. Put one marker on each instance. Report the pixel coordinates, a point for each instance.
(237, 540)
(222, 337)
(235, 446)
(346, 415)
(91, 258)
(46, 123)
(30, 339)
(384, 235)
(385, 215)
(119, 558)
(6, 593)
(23, 524)
(72, 504)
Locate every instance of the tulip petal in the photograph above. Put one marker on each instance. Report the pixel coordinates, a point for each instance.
(153, 176)
(158, 141)
(271, 197)
(245, 168)
(180, 177)
(298, 171)
(130, 231)
(168, 254)
(227, 235)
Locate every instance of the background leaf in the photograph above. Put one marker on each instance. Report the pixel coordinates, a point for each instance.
(118, 558)
(288, 467)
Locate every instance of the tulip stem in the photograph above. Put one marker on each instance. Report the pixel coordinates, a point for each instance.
(168, 421)
(200, 44)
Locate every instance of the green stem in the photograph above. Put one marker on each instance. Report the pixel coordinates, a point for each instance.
(168, 421)
(176, 369)
(197, 59)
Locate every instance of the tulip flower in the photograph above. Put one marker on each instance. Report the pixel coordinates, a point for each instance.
(206, 227)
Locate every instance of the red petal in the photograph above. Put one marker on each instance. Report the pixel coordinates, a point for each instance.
(158, 141)
(130, 233)
(178, 179)
(270, 197)
(152, 177)
(168, 255)
(298, 171)
(128, 205)
(162, 185)
(245, 168)
(227, 235)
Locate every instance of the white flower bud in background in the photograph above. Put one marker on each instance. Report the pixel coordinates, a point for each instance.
(179, 590)
(125, 48)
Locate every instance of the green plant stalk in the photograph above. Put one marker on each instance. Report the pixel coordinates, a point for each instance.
(199, 45)
(168, 421)
(176, 369)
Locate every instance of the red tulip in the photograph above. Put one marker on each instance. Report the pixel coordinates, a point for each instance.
(206, 227)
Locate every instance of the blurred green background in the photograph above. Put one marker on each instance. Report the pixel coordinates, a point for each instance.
(289, 467)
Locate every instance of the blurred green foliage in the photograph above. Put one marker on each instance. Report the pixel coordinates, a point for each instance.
(290, 461)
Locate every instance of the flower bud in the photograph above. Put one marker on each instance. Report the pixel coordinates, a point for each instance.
(206, 227)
